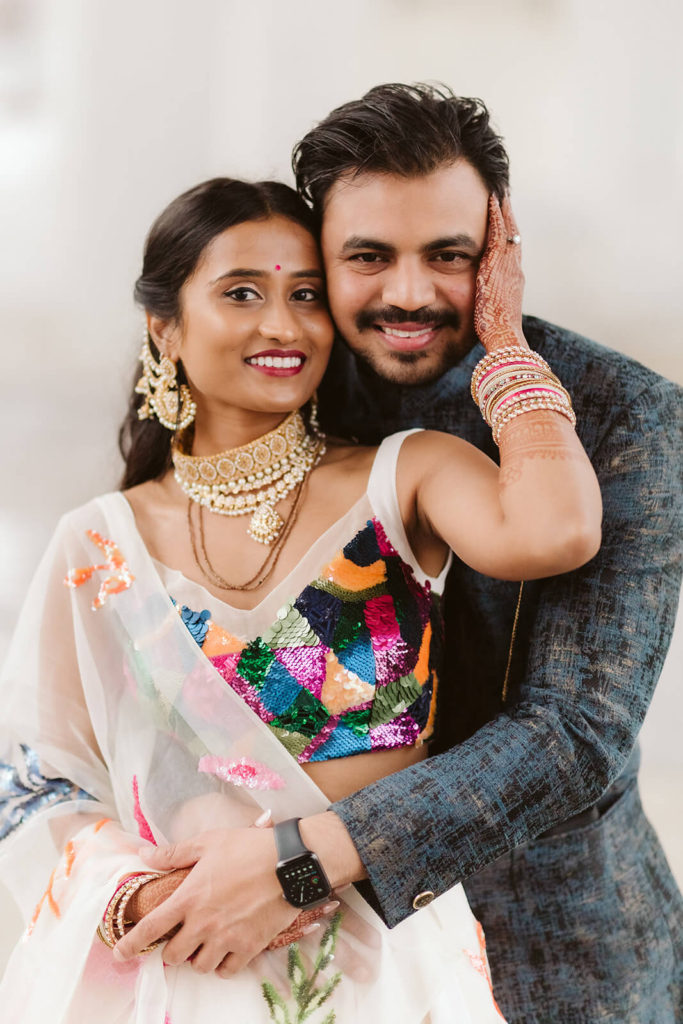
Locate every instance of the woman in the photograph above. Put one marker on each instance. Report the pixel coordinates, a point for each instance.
(252, 629)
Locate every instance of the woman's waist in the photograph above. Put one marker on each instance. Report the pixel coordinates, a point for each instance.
(340, 776)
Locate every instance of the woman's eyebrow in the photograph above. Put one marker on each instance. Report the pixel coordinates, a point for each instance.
(240, 272)
(252, 272)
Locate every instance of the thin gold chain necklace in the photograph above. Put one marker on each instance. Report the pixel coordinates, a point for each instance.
(267, 567)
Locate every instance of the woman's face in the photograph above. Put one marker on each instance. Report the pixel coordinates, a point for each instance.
(254, 331)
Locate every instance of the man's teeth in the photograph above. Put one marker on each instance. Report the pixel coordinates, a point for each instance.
(407, 334)
(277, 362)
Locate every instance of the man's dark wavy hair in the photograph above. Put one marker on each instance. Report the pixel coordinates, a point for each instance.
(408, 130)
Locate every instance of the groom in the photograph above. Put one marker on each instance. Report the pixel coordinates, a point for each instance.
(533, 801)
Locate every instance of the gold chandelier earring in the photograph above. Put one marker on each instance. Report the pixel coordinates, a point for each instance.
(173, 406)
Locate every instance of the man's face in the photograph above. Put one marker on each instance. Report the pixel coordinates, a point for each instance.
(401, 257)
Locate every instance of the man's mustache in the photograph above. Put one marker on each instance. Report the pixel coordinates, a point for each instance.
(395, 315)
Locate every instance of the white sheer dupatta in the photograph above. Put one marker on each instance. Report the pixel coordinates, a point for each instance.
(109, 708)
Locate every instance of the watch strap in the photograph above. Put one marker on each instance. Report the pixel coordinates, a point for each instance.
(288, 841)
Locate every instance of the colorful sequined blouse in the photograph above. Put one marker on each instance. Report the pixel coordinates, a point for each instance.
(347, 662)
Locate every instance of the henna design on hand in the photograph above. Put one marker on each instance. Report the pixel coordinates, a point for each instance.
(500, 282)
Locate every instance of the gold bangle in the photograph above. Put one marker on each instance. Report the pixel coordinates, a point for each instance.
(114, 925)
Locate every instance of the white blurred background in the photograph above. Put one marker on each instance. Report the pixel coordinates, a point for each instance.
(108, 110)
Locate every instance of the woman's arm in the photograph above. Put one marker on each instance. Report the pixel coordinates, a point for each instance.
(538, 514)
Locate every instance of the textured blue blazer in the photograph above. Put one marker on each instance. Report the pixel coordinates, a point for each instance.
(590, 644)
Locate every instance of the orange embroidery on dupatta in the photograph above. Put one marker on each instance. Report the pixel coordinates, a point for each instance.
(70, 855)
(480, 963)
(52, 903)
(121, 578)
(48, 895)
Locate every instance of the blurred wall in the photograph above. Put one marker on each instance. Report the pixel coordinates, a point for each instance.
(109, 110)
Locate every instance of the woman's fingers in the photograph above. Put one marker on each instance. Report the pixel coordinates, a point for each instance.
(497, 233)
(511, 228)
(302, 925)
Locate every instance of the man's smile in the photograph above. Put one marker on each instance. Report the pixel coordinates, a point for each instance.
(407, 338)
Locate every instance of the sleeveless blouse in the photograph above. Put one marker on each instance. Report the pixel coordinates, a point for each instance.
(343, 655)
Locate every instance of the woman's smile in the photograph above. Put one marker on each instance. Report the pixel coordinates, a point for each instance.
(276, 363)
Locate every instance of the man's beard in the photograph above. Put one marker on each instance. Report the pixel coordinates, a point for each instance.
(422, 366)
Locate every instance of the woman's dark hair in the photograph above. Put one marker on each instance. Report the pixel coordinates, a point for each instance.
(173, 250)
(408, 130)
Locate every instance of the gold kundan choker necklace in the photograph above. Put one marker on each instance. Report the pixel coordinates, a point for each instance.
(252, 479)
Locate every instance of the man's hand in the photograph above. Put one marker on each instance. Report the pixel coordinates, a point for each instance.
(500, 282)
(228, 908)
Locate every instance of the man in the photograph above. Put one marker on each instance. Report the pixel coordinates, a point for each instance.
(548, 684)
(534, 800)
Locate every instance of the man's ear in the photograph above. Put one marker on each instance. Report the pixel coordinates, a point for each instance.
(165, 334)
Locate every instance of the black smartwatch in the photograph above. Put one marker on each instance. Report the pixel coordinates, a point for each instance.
(303, 881)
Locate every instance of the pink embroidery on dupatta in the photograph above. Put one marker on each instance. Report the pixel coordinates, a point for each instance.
(143, 825)
(121, 578)
(243, 772)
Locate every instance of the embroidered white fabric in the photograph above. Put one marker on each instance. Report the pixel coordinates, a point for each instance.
(122, 702)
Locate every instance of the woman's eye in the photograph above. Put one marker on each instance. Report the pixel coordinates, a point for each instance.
(242, 294)
(306, 295)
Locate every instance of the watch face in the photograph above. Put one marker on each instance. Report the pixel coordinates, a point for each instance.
(303, 881)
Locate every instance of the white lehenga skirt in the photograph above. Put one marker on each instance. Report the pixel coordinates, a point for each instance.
(430, 969)
(120, 704)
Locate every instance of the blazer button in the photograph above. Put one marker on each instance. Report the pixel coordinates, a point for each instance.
(423, 899)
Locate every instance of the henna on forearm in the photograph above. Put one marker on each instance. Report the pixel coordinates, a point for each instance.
(540, 435)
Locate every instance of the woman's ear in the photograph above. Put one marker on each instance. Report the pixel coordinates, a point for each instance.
(165, 334)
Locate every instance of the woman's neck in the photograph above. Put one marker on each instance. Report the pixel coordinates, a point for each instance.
(233, 429)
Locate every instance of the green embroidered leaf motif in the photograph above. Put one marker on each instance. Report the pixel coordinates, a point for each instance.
(328, 944)
(276, 1004)
(392, 699)
(317, 998)
(305, 995)
(296, 971)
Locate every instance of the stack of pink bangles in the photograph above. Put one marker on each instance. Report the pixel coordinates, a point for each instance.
(114, 924)
(515, 380)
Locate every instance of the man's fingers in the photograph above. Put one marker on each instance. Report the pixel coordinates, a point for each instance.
(152, 927)
(186, 945)
(175, 855)
(235, 962)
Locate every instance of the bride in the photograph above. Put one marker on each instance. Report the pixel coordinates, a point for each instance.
(249, 630)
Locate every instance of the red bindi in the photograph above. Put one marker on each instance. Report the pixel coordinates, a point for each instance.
(278, 267)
